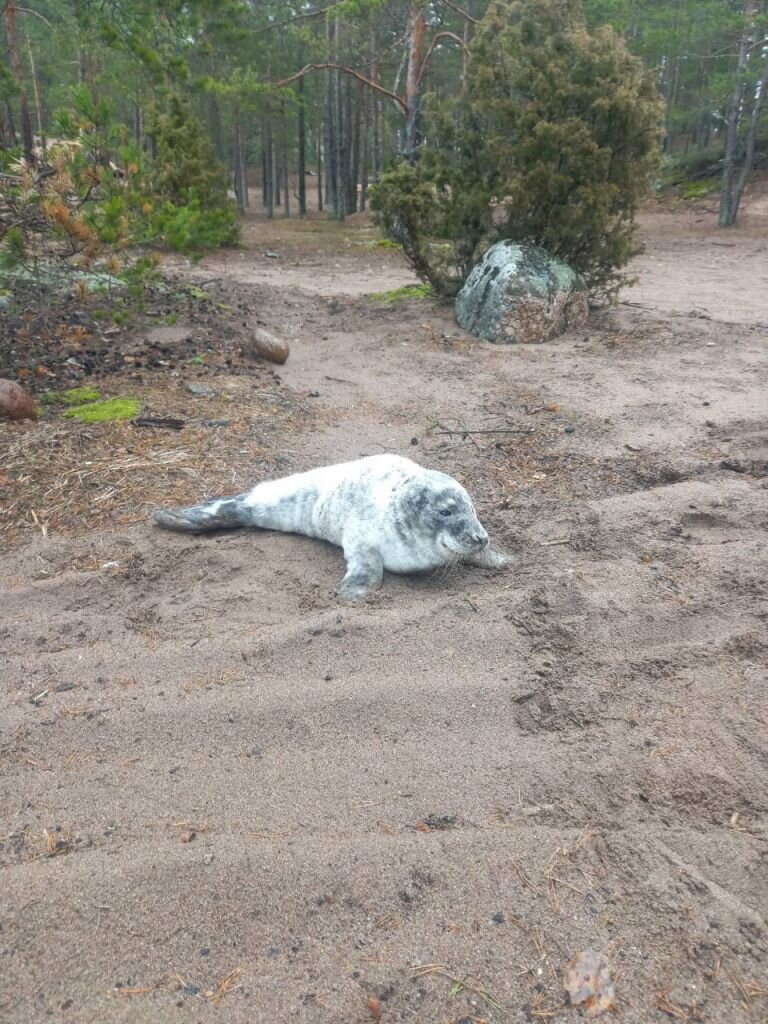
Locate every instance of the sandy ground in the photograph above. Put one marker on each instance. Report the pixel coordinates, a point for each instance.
(239, 801)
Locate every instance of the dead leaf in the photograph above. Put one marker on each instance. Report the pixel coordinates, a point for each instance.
(588, 983)
(374, 1007)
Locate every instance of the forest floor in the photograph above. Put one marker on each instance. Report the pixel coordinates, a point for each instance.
(226, 797)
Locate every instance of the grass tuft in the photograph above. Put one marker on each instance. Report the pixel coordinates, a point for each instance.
(411, 291)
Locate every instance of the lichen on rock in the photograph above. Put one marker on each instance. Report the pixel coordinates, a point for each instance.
(519, 293)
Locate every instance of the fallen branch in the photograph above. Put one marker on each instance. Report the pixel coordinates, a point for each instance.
(465, 433)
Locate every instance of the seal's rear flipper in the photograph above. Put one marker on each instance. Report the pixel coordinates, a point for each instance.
(219, 514)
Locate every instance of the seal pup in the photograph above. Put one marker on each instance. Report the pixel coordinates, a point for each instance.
(383, 511)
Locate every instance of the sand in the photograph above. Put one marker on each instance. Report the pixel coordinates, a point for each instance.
(237, 800)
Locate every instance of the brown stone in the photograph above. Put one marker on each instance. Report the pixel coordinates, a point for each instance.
(266, 345)
(15, 402)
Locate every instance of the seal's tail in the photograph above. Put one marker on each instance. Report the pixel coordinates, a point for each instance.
(217, 514)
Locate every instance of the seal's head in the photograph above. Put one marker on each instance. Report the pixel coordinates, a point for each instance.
(444, 513)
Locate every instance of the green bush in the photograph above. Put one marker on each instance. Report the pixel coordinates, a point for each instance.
(552, 142)
(190, 228)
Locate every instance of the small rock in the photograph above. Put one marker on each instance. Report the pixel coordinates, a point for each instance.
(254, 751)
(187, 835)
(569, 429)
(267, 346)
(207, 859)
(498, 917)
(313, 394)
(15, 402)
(272, 255)
(204, 390)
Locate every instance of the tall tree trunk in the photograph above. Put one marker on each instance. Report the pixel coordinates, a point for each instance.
(215, 122)
(302, 153)
(27, 139)
(364, 147)
(11, 125)
(268, 168)
(138, 126)
(749, 155)
(319, 158)
(286, 176)
(727, 209)
(338, 117)
(357, 121)
(36, 92)
(241, 171)
(330, 120)
(375, 108)
(417, 28)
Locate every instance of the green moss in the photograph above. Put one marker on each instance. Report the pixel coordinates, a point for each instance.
(73, 396)
(109, 409)
(79, 396)
(411, 291)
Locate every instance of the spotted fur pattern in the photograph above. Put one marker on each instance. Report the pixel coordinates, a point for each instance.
(385, 512)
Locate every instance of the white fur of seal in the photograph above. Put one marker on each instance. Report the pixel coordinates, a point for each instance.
(384, 511)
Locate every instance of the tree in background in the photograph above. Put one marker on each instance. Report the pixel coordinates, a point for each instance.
(245, 67)
(551, 142)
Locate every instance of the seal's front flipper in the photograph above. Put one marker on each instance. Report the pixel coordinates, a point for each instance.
(489, 559)
(365, 572)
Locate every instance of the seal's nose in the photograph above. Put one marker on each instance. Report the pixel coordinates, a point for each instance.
(480, 537)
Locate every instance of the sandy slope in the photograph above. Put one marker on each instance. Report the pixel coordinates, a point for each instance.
(488, 773)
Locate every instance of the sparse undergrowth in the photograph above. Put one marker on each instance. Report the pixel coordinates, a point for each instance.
(410, 291)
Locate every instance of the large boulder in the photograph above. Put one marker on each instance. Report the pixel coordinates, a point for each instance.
(519, 293)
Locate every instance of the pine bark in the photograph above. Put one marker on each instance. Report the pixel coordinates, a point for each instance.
(728, 208)
(417, 28)
(338, 116)
(269, 191)
(750, 140)
(27, 138)
(302, 152)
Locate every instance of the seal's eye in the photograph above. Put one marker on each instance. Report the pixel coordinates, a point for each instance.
(446, 511)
